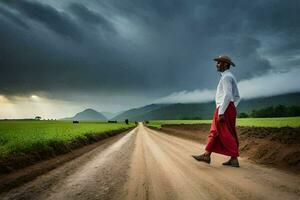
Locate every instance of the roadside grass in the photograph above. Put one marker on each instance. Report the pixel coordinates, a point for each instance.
(20, 137)
(256, 122)
(158, 123)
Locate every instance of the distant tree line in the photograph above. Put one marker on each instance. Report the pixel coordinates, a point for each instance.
(273, 111)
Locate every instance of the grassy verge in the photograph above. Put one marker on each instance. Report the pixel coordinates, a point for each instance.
(270, 122)
(158, 123)
(257, 122)
(18, 138)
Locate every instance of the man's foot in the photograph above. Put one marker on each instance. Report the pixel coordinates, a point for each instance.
(202, 158)
(233, 162)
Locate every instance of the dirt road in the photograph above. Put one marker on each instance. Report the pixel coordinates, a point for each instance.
(147, 164)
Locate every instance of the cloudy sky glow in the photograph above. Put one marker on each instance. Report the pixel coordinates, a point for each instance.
(59, 57)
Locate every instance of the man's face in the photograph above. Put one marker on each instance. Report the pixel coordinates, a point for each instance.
(221, 66)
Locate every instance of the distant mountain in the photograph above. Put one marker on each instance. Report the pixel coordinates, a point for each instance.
(110, 115)
(292, 99)
(203, 110)
(133, 114)
(88, 114)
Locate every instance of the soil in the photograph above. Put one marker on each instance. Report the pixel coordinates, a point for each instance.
(278, 147)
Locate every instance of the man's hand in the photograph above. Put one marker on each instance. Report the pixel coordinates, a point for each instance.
(221, 118)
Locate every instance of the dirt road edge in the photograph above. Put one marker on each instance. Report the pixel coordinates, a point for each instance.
(19, 176)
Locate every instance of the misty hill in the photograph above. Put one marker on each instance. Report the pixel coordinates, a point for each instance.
(110, 115)
(203, 110)
(88, 114)
(133, 114)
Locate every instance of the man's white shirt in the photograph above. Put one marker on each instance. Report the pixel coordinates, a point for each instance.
(227, 91)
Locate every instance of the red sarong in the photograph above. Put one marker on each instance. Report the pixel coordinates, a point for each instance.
(222, 138)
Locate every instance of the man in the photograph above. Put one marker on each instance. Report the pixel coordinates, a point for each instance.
(222, 138)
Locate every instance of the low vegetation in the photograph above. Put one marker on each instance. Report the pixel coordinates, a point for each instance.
(158, 123)
(257, 122)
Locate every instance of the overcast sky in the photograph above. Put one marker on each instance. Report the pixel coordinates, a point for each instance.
(59, 57)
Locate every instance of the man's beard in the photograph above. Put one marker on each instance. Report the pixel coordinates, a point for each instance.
(219, 69)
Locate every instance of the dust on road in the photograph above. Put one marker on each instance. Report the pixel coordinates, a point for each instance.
(147, 164)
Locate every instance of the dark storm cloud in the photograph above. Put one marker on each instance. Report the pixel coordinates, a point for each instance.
(89, 16)
(278, 21)
(57, 21)
(188, 37)
(15, 19)
(137, 46)
(49, 63)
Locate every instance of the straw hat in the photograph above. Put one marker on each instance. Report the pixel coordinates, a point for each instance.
(224, 58)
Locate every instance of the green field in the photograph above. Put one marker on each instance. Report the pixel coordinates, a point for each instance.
(21, 137)
(259, 122)
(158, 123)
